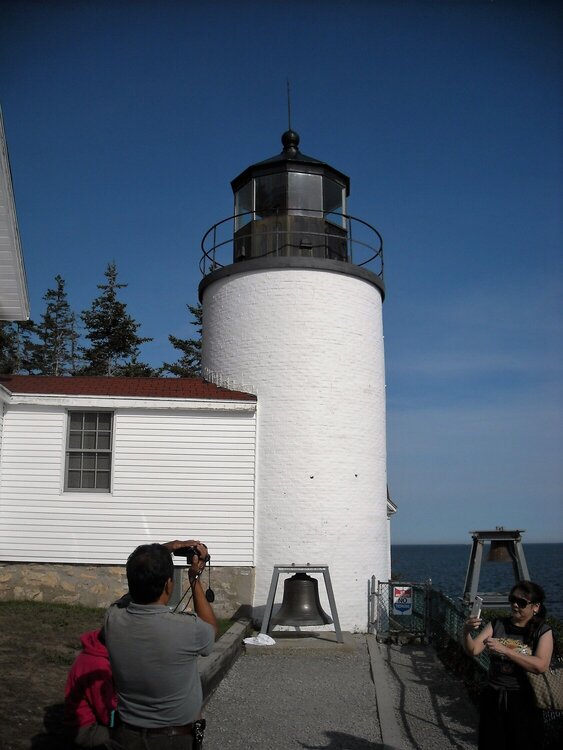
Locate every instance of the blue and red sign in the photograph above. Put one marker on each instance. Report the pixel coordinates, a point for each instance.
(402, 600)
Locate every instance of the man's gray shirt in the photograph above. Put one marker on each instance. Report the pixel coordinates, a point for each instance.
(153, 655)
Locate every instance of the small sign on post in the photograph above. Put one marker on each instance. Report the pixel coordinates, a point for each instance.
(402, 600)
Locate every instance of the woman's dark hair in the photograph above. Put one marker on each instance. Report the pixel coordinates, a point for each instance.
(148, 569)
(536, 595)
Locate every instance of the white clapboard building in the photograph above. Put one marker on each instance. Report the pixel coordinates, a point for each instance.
(91, 466)
(14, 301)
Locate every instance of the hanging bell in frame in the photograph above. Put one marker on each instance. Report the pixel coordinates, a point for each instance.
(301, 604)
(501, 551)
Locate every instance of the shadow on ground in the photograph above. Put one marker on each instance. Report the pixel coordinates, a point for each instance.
(442, 704)
(342, 741)
(54, 737)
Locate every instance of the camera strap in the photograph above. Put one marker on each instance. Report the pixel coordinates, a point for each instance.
(209, 594)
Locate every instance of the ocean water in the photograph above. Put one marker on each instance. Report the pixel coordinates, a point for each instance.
(446, 565)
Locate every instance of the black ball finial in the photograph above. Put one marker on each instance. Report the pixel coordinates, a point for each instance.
(290, 141)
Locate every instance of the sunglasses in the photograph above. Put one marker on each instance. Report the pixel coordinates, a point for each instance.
(520, 603)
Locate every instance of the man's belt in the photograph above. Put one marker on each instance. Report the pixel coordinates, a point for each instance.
(186, 729)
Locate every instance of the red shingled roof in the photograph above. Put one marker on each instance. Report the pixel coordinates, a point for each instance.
(103, 386)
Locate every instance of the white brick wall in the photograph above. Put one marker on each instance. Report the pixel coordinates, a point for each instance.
(310, 344)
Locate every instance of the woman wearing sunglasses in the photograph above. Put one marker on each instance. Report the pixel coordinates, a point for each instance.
(517, 644)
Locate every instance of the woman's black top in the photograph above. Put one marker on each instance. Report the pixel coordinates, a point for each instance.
(502, 671)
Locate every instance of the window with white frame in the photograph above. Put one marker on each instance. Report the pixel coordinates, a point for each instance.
(88, 453)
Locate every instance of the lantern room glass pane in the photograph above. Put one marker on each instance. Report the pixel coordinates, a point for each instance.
(244, 205)
(334, 197)
(271, 194)
(304, 195)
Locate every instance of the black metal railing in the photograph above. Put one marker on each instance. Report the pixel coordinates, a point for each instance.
(433, 615)
(329, 235)
(445, 621)
(390, 621)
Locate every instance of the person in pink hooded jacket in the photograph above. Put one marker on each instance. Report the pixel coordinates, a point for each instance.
(90, 697)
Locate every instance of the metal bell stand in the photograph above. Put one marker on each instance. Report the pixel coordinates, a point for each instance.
(511, 541)
(301, 569)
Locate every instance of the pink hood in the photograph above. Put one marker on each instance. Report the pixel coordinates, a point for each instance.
(89, 693)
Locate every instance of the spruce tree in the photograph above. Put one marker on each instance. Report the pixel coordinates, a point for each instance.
(17, 347)
(56, 352)
(189, 364)
(8, 347)
(112, 332)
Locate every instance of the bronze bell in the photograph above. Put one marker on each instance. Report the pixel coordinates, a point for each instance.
(500, 551)
(301, 604)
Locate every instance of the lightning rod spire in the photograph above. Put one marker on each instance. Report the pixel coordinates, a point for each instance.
(288, 106)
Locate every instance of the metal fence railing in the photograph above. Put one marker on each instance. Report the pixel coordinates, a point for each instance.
(337, 235)
(400, 607)
(446, 616)
(406, 608)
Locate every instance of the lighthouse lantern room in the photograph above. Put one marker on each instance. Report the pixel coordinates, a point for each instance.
(290, 205)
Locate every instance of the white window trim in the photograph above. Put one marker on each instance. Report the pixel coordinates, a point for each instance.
(68, 451)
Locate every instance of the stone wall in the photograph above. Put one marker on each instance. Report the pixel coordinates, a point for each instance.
(100, 585)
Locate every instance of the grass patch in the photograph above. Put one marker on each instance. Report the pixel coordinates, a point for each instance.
(49, 615)
(224, 625)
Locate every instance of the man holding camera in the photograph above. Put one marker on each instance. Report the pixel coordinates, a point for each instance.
(153, 651)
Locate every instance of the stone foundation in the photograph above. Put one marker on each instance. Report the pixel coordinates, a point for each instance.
(100, 585)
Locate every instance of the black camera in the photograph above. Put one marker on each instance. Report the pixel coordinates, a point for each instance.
(189, 552)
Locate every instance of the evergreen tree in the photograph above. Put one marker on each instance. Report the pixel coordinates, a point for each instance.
(189, 364)
(8, 347)
(136, 369)
(56, 352)
(112, 333)
(17, 347)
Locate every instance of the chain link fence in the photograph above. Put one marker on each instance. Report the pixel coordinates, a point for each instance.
(399, 608)
(407, 609)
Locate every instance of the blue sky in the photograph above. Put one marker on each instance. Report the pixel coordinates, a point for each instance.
(126, 122)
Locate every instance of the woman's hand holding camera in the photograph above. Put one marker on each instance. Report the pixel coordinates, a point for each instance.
(472, 623)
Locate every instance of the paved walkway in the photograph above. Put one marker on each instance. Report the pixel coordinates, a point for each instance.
(316, 694)
(431, 707)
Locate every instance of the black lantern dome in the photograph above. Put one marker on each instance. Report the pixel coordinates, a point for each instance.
(290, 205)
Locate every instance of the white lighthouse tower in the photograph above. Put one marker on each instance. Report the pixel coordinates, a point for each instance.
(292, 311)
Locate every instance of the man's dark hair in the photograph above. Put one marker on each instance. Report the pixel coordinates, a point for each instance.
(148, 569)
